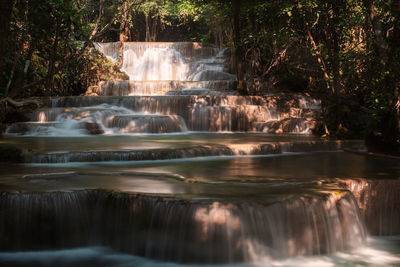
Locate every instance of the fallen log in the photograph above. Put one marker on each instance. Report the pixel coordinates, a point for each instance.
(22, 104)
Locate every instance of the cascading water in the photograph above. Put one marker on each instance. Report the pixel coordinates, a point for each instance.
(170, 61)
(174, 165)
(162, 229)
(156, 64)
(192, 92)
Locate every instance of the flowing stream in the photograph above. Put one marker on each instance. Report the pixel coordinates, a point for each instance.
(174, 168)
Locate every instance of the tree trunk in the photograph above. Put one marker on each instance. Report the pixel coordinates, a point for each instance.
(335, 6)
(377, 28)
(20, 79)
(53, 56)
(96, 25)
(5, 18)
(147, 18)
(388, 126)
(320, 60)
(153, 35)
(238, 49)
(395, 56)
(396, 30)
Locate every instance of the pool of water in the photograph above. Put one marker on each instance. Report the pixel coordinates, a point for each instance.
(204, 175)
(376, 252)
(211, 192)
(147, 141)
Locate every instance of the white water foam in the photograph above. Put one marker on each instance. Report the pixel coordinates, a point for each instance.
(378, 252)
(156, 64)
(107, 119)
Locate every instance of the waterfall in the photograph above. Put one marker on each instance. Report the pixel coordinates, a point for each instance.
(379, 201)
(175, 165)
(161, 228)
(212, 113)
(110, 50)
(173, 87)
(156, 64)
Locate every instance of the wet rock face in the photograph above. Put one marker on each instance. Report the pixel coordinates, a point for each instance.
(208, 75)
(12, 111)
(19, 127)
(379, 202)
(180, 230)
(111, 88)
(93, 128)
(43, 221)
(289, 125)
(269, 114)
(149, 123)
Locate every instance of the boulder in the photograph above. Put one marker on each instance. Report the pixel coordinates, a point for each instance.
(93, 128)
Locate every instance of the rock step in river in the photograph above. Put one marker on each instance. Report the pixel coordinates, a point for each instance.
(174, 165)
(270, 114)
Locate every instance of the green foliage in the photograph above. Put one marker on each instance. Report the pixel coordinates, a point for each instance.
(48, 48)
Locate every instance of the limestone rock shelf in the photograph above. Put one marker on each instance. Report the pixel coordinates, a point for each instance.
(160, 227)
(175, 113)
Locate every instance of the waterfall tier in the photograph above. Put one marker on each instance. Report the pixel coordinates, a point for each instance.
(183, 152)
(125, 88)
(174, 165)
(170, 61)
(211, 113)
(161, 228)
(218, 231)
(174, 87)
